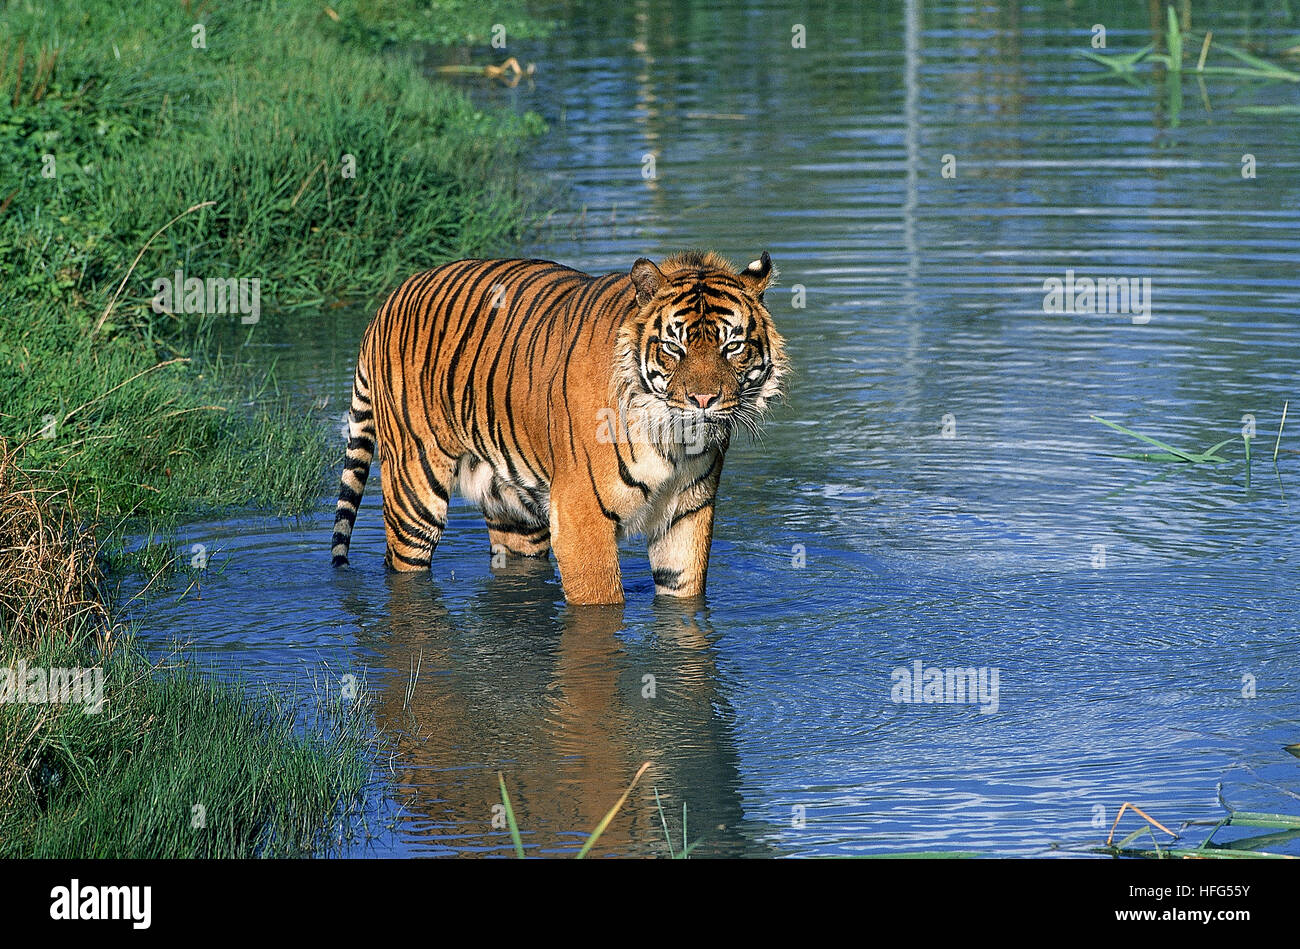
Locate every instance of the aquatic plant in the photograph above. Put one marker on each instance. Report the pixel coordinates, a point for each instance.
(1251, 66)
(1168, 452)
(595, 835)
(1283, 827)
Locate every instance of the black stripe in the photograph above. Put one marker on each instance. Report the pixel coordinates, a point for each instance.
(413, 532)
(610, 515)
(432, 478)
(666, 578)
(411, 560)
(685, 514)
(405, 501)
(717, 463)
(519, 530)
(626, 475)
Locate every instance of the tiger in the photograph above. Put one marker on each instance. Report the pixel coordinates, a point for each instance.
(573, 410)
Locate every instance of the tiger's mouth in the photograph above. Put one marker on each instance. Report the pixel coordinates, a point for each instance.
(715, 424)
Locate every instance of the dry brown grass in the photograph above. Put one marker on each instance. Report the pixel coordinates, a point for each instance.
(49, 579)
(49, 595)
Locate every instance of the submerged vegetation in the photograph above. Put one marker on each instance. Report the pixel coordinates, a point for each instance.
(272, 146)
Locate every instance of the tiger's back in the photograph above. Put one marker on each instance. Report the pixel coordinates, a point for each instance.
(498, 379)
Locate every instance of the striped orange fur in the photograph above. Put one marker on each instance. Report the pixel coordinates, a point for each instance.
(572, 409)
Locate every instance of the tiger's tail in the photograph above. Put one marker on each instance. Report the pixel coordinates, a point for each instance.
(356, 464)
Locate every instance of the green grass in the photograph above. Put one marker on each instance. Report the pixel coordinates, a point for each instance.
(168, 763)
(686, 849)
(510, 817)
(441, 22)
(257, 123)
(130, 433)
(143, 438)
(171, 749)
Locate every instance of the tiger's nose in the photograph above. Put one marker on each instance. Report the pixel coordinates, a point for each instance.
(704, 399)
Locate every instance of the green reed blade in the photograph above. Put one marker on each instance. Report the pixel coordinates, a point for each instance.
(1258, 65)
(1209, 838)
(1268, 109)
(1274, 821)
(1134, 836)
(1148, 456)
(1119, 62)
(510, 818)
(664, 821)
(1175, 38)
(1261, 840)
(1249, 73)
(1278, 443)
(604, 821)
(1150, 441)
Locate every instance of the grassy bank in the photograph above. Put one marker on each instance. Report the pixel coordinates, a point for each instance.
(288, 143)
(333, 169)
(140, 760)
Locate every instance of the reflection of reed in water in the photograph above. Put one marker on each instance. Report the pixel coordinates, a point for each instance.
(555, 700)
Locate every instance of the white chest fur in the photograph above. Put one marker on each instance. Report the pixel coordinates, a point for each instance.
(666, 482)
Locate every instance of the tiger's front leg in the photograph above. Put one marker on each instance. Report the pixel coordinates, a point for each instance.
(679, 550)
(585, 540)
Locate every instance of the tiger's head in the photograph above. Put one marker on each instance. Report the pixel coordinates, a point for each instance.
(701, 352)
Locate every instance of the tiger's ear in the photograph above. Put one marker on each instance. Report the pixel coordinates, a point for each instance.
(758, 275)
(647, 278)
